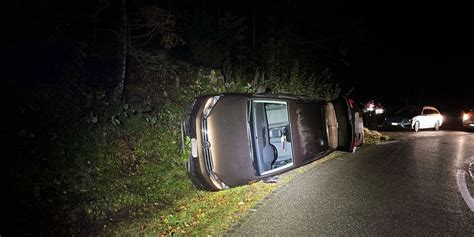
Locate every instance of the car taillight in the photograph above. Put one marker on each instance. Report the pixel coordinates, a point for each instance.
(351, 103)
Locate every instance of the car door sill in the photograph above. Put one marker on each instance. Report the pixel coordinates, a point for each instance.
(277, 169)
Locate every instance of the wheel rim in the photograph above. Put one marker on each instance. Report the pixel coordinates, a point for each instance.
(437, 126)
(417, 126)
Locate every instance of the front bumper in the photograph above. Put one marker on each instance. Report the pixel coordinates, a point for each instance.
(404, 124)
(196, 165)
(200, 164)
(197, 175)
(469, 124)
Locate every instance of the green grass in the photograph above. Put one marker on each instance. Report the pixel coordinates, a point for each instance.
(120, 172)
(104, 174)
(131, 179)
(208, 213)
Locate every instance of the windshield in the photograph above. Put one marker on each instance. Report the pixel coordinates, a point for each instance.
(407, 113)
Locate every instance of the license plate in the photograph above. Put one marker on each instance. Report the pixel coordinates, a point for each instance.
(194, 148)
(395, 124)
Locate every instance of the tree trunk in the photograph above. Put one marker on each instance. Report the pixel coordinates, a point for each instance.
(119, 89)
(253, 29)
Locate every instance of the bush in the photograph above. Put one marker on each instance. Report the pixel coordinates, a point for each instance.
(296, 80)
(374, 137)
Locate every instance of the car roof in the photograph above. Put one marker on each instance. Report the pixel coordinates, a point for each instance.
(429, 107)
(270, 95)
(409, 108)
(282, 96)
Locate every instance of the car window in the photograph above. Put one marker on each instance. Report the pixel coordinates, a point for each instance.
(277, 114)
(407, 113)
(430, 111)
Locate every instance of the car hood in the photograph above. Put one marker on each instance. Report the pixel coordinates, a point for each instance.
(396, 119)
(230, 144)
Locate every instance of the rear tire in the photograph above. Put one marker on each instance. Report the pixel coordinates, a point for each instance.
(436, 127)
(416, 127)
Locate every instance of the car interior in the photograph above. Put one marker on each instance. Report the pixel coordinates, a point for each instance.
(344, 134)
(331, 123)
(271, 136)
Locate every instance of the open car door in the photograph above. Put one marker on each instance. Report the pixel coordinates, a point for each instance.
(350, 130)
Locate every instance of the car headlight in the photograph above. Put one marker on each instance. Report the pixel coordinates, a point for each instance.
(465, 117)
(216, 181)
(209, 105)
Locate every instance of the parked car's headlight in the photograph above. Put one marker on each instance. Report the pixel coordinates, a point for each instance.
(216, 181)
(465, 117)
(209, 105)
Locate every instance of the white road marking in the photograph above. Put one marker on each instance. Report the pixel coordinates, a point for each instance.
(461, 180)
(470, 162)
(471, 170)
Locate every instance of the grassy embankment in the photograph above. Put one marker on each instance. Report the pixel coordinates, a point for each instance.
(374, 137)
(119, 169)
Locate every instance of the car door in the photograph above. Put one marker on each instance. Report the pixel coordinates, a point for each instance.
(309, 130)
(350, 124)
(427, 120)
(271, 135)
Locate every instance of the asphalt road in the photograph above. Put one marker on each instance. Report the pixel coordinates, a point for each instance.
(418, 184)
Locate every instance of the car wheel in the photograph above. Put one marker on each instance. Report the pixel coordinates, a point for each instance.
(436, 127)
(417, 126)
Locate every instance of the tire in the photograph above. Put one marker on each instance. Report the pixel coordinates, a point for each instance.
(416, 127)
(436, 127)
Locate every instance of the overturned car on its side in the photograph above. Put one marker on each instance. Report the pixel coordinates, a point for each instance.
(235, 139)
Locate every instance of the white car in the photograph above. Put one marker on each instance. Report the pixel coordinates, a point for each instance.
(468, 119)
(415, 118)
(430, 117)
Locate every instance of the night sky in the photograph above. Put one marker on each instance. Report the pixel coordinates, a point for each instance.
(423, 50)
(397, 52)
